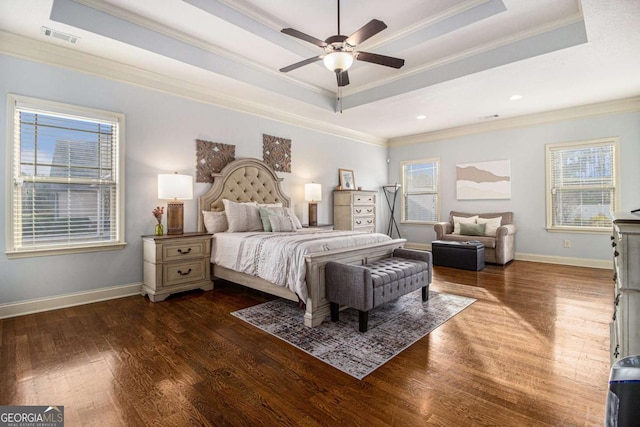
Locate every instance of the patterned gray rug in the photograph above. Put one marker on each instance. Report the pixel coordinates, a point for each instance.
(392, 328)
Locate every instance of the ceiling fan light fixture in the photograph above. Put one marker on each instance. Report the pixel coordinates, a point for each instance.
(338, 61)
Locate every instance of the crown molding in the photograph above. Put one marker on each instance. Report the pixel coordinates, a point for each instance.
(624, 105)
(26, 48)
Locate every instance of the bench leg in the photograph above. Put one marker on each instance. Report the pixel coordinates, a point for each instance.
(363, 319)
(335, 311)
(425, 293)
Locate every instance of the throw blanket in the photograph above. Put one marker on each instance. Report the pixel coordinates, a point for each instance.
(279, 257)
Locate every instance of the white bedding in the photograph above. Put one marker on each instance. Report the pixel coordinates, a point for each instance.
(279, 257)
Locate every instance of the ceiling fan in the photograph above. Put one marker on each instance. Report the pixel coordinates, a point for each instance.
(340, 51)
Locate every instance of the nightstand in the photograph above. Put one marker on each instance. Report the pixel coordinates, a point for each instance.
(176, 263)
(319, 227)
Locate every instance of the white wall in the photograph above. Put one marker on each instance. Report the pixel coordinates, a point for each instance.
(525, 147)
(160, 137)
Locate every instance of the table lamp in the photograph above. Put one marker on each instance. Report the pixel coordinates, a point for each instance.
(313, 195)
(175, 188)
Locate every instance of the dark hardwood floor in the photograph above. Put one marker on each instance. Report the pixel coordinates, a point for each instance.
(532, 351)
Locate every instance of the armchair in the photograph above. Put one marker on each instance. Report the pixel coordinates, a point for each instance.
(498, 249)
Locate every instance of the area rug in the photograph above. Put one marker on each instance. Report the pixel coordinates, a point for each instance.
(392, 328)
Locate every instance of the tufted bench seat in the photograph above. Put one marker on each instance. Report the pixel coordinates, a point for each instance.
(368, 286)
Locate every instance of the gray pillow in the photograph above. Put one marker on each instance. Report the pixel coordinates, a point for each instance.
(472, 229)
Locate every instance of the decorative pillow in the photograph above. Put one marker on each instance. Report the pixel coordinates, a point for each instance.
(457, 220)
(264, 216)
(215, 222)
(491, 224)
(472, 229)
(242, 216)
(281, 223)
(293, 216)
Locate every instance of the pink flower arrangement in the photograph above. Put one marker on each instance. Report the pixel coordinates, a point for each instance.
(157, 212)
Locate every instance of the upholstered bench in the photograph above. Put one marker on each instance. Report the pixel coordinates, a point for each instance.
(368, 286)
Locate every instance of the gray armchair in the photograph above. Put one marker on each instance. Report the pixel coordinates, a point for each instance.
(498, 250)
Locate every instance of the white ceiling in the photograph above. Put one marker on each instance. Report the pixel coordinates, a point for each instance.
(463, 58)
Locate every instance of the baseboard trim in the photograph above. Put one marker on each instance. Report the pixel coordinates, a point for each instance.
(576, 262)
(548, 259)
(38, 305)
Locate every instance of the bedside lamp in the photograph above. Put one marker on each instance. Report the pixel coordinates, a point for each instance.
(175, 188)
(313, 195)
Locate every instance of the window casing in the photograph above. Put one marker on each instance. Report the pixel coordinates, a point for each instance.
(421, 191)
(66, 186)
(582, 185)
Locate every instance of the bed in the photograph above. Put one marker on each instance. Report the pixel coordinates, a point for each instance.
(250, 180)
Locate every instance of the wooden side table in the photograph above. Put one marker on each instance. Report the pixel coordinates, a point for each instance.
(176, 263)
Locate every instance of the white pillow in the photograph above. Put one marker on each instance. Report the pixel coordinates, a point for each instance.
(242, 216)
(215, 222)
(293, 216)
(458, 219)
(281, 223)
(270, 205)
(491, 225)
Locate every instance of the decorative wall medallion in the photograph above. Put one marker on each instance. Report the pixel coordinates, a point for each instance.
(276, 152)
(211, 157)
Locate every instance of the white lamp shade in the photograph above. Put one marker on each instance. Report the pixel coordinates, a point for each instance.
(338, 61)
(173, 186)
(313, 192)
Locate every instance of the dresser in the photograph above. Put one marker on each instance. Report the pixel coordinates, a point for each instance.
(354, 210)
(625, 327)
(176, 263)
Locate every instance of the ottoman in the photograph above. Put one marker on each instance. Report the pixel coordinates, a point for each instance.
(465, 255)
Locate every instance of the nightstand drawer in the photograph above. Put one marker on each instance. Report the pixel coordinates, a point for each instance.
(184, 249)
(187, 271)
(364, 199)
(363, 222)
(364, 211)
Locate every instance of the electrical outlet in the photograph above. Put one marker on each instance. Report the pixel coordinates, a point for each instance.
(567, 243)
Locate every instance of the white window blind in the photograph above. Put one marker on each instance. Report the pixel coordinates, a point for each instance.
(581, 185)
(420, 191)
(66, 178)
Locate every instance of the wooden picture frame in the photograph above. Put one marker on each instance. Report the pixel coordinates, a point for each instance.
(347, 179)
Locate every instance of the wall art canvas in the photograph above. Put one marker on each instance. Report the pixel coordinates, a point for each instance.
(276, 152)
(484, 180)
(212, 157)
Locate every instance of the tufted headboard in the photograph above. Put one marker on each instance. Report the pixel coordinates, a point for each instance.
(244, 180)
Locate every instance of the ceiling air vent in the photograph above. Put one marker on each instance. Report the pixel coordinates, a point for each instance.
(59, 35)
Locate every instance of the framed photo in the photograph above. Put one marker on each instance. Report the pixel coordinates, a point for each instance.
(347, 181)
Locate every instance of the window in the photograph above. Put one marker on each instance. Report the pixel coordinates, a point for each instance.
(66, 186)
(420, 191)
(581, 185)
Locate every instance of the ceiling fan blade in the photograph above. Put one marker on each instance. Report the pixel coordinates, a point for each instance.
(303, 36)
(370, 29)
(301, 63)
(387, 61)
(343, 78)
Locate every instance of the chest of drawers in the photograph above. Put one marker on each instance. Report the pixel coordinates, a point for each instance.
(625, 325)
(354, 210)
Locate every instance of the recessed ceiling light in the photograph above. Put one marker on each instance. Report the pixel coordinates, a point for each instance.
(515, 97)
(421, 117)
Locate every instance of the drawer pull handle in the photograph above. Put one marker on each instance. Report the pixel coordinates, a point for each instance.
(358, 210)
(369, 210)
(184, 274)
(612, 237)
(369, 221)
(615, 277)
(617, 299)
(614, 244)
(358, 222)
(616, 353)
(616, 253)
(181, 252)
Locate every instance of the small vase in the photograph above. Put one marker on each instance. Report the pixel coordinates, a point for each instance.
(159, 229)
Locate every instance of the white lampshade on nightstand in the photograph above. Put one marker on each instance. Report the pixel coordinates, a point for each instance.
(313, 195)
(175, 188)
